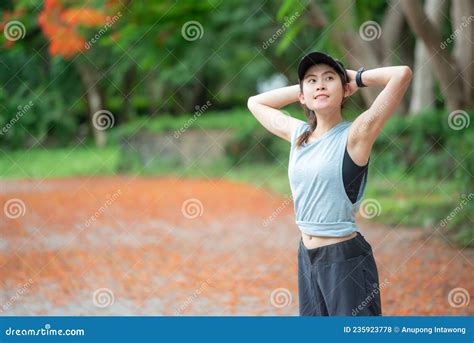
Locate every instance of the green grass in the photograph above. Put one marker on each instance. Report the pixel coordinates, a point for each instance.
(40, 163)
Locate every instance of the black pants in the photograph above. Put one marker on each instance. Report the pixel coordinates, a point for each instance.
(339, 279)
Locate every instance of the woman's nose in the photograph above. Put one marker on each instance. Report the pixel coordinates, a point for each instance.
(320, 86)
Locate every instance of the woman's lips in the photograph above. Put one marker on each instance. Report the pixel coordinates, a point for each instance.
(321, 96)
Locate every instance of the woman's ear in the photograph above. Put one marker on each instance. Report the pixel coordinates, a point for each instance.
(348, 90)
(301, 97)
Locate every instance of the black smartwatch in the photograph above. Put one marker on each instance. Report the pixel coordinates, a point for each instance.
(359, 79)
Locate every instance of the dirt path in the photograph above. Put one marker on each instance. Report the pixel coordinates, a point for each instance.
(166, 246)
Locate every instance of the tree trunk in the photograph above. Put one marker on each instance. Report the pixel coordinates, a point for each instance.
(90, 81)
(356, 50)
(462, 21)
(201, 96)
(444, 65)
(423, 91)
(154, 92)
(392, 28)
(128, 86)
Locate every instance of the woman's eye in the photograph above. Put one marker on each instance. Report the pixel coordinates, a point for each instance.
(312, 80)
(329, 78)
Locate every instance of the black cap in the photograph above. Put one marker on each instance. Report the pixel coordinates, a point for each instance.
(320, 57)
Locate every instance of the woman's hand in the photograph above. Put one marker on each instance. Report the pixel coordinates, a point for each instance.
(352, 85)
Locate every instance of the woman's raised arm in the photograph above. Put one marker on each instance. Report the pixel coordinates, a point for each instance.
(368, 125)
(265, 108)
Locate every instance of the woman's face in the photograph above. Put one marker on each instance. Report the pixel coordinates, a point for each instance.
(322, 88)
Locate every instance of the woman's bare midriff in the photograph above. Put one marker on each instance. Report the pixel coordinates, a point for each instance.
(311, 242)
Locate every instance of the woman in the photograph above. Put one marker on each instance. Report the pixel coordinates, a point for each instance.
(337, 274)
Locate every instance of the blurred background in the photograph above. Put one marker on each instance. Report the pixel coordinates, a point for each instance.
(134, 181)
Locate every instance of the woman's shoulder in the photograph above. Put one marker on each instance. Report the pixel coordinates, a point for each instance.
(301, 127)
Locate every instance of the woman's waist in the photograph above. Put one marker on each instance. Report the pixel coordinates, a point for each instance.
(315, 234)
(312, 242)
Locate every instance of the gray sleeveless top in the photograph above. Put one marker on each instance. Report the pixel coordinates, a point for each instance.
(322, 207)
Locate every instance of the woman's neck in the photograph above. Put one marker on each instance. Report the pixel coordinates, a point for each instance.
(326, 123)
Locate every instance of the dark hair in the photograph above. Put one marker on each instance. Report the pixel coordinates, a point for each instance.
(312, 122)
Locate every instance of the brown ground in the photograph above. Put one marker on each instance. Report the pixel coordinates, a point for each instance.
(224, 254)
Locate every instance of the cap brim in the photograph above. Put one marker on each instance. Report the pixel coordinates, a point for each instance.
(315, 58)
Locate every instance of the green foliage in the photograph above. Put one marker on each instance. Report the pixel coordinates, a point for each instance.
(370, 10)
(424, 145)
(254, 144)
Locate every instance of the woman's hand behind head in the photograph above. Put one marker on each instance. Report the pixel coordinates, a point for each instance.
(351, 87)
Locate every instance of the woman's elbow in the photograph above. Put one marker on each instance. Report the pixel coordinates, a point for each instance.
(250, 102)
(406, 73)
